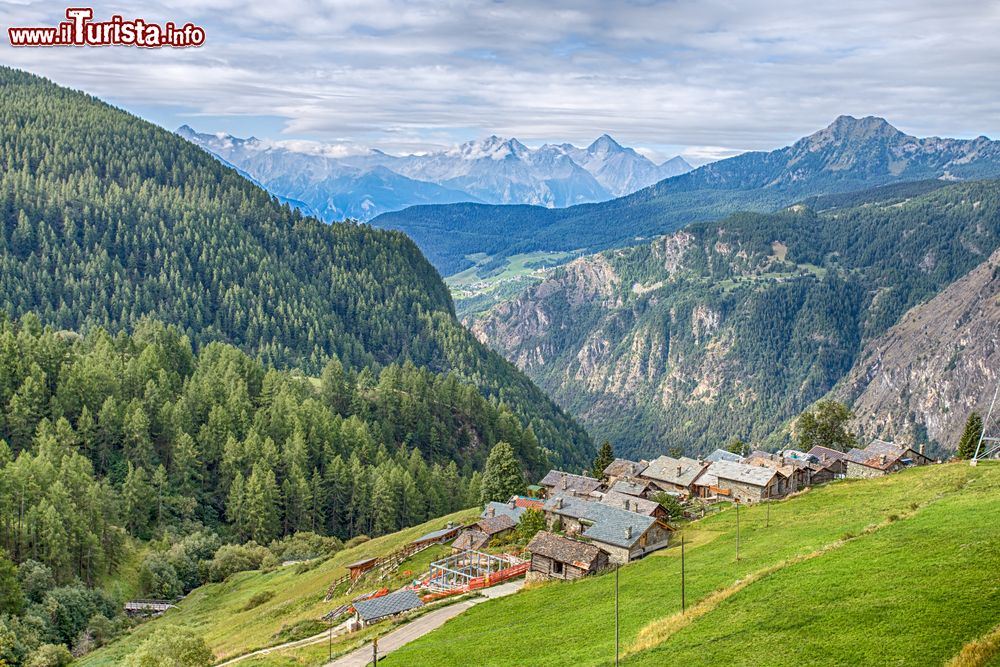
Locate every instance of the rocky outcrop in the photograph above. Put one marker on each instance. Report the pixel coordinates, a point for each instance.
(922, 377)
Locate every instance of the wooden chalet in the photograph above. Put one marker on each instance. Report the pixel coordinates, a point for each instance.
(557, 557)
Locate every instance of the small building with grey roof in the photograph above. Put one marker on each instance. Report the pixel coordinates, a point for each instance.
(557, 557)
(676, 475)
(623, 469)
(559, 482)
(373, 610)
(741, 482)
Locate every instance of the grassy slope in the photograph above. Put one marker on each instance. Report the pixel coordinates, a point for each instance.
(216, 611)
(893, 579)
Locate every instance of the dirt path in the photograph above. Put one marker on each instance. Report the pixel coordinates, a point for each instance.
(419, 627)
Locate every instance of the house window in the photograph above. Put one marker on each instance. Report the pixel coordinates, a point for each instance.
(557, 567)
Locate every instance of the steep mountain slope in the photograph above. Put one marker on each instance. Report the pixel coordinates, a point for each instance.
(333, 186)
(850, 154)
(730, 328)
(108, 219)
(921, 378)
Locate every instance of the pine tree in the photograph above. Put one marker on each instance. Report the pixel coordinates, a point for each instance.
(605, 457)
(970, 436)
(503, 476)
(260, 504)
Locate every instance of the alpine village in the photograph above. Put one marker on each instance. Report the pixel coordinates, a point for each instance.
(742, 412)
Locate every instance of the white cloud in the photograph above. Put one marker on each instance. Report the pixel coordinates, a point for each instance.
(415, 75)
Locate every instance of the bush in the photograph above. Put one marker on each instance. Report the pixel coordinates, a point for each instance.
(233, 558)
(257, 599)
(305, 546)
(670, 504)
(70, 608)
(171, 647)
(50, 655)
(356, 540)
(531, 522)
(186, 554)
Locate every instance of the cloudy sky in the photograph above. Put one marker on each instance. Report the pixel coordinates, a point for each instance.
(704, 78)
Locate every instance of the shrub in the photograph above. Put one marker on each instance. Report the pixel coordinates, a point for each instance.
(171, 646)
(670, 504)
(233, 558)
(305, 546)
(50, 655)
(356, 540)
(257, 599)
(532, 521)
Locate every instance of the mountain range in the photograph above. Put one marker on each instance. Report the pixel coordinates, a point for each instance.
(732, 328)
(493, 171)
(850, 154)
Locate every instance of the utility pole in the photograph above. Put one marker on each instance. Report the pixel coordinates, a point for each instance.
(375, 651)
(767, 523)
(683, 599)
(329, 644)
(737, 530)
(616, 614)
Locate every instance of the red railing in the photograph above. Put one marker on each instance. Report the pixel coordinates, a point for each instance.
(478, 583)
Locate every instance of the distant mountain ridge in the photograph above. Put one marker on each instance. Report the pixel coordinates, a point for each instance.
(495, 170)
(850, 154)
(732, 328)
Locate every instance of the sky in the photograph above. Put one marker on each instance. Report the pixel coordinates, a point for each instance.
(702, 78)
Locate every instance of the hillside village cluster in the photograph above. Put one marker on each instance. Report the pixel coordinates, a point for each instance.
(594, 524)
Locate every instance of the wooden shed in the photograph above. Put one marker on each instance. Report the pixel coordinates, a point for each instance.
(557, 557)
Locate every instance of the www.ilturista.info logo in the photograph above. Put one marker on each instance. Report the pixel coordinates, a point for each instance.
(80, 30)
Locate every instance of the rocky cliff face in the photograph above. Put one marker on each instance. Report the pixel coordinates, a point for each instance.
(733, 328)
(922, 377)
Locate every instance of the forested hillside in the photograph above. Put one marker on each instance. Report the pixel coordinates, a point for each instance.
(729, 329)
(851, 154)
(196, 380)
(107, 218)
(111, 441)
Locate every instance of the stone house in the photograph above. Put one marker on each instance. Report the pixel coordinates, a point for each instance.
(795, 474)
(833, 461)
(639, 488)
(674, 475)
(623, 469)
(881, 458)
(495, 523)
(557, 482)
(741, 482)
(624, 535)
(557, 557)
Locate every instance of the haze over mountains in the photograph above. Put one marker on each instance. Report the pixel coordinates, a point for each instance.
(496, 170)
(850, 154)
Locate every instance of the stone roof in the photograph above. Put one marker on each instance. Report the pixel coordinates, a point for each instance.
(471, 539)
(630, 487)
(740, 472)
(496, 524)
(831, 454)
(387, 605)
(611, 525)
(564, 549)
(722, 455)
(680, 472)
(574, 483)
(624, 468)
(638, 505)
(872, 455)
(502, 509)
